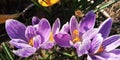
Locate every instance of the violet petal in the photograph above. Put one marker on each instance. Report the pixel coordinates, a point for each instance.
(47, 45)
(65, 28)
(19, 43)
(88, 57)
(62, 39)
(89, 34)
(109, 56)
(15, 29)
(105, 27)
(115, 51)
(83, 48)
(112, 41)
(25, 52)
(35, 20)
(30, 32)
(87, 22)
(56, 26)
(37, 41)
(96, 43)
(44, 28)
(73, 24)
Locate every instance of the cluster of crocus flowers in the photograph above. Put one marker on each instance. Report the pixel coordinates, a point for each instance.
(29, 39)
(82, 35)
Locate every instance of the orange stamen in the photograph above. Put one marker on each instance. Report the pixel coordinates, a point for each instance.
(76, 32)
(77, 39)
(101, 49)
(51, 39)
(31, 42)
(75, 36)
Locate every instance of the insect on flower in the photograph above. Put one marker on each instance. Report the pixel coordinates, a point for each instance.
(79, 13)
(47, 3)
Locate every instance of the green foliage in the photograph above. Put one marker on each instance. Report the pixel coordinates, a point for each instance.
(7, 55)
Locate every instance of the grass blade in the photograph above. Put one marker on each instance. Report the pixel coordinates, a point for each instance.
(7, 51)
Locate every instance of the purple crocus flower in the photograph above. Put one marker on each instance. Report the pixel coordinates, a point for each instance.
(78, 32)
(44, 28)
(24, 38)
(103, 47)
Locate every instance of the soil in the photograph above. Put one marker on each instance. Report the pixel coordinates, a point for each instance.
(114, 12)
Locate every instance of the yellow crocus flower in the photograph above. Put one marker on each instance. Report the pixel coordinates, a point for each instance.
(47, 3)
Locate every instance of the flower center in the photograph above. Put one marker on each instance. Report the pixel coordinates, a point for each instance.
(76, 39)
(75, 36)
(31, 42)
(47, 2)
(101, 49)
(51, 39)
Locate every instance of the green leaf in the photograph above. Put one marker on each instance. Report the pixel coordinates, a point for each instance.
(2, 56)
(67, 54)
(7, 51)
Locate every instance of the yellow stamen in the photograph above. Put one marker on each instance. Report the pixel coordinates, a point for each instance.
(77, 39)
(51, 39)
(47, 3)
(75, 36)
(31, 42)
(76, 32)
(101, 49)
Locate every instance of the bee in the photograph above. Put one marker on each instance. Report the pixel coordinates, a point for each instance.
(47, 3)
(79, 14)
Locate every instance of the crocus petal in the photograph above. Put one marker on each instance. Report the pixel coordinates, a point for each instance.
(37, 41)
(19, 43)
(35, 20)
(112, 41)
(96, 57)
(88, 57)
(75, 45)
(41, 37)
(83, 48)
(88, 22)
(65, 28)
(109, 56)
(73, 24)
(105, 27)
(47, 45)
(96, 43)
(30, 32)
(25, 52)
(115, 51)
(89, 34)
(56, 26)
(63, 40)
(44, 28)
(15, 29)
